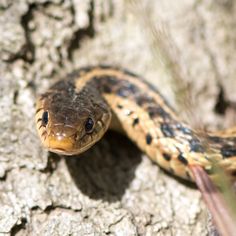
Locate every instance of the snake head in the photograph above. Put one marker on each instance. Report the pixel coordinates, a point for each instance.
(69, 123)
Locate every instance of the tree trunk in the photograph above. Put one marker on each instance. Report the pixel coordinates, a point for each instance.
(113, 189)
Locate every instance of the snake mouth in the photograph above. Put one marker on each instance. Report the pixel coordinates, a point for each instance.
(61, 139)
(65, 146)
(60, 145)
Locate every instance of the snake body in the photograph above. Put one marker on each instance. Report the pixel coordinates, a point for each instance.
(76, 112)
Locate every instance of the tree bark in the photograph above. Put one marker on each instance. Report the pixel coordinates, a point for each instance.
(113, 189)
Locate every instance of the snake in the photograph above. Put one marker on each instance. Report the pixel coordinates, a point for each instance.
(77, 111)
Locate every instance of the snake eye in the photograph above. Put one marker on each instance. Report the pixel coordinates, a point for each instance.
(45, 118)
(89, 125)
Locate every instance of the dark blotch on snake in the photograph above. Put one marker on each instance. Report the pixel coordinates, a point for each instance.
(143, 99)
(228, 151)
(135, 121)
(182, 159)
(183, 129)
(167, 130)
(166, 156)
(155, 111)
(195, 145)
(127, 89)
(148, 139)
(106, 89)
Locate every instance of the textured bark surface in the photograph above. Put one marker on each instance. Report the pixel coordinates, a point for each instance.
(113, 189)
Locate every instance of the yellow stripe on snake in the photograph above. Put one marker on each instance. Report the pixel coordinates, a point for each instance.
(76, 112)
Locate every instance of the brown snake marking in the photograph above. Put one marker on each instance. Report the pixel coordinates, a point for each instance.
(76, 112)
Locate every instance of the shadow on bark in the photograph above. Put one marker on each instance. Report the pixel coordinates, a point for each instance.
(106, 170)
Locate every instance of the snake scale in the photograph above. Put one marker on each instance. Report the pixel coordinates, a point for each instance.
(77, 111)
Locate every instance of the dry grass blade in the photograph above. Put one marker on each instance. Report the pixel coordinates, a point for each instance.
(217, 205)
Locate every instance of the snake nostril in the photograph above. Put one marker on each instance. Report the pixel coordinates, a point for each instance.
(76, 136)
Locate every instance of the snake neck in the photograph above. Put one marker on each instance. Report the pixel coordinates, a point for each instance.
(145, 117)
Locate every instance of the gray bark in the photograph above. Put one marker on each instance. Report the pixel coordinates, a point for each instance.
(113, 189)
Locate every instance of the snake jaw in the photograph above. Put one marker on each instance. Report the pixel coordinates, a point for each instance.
(60, 145)
(66, 145)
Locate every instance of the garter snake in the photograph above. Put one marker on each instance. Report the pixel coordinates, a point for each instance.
(76, 112)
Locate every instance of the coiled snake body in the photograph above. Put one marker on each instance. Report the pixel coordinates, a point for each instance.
(76, 112)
